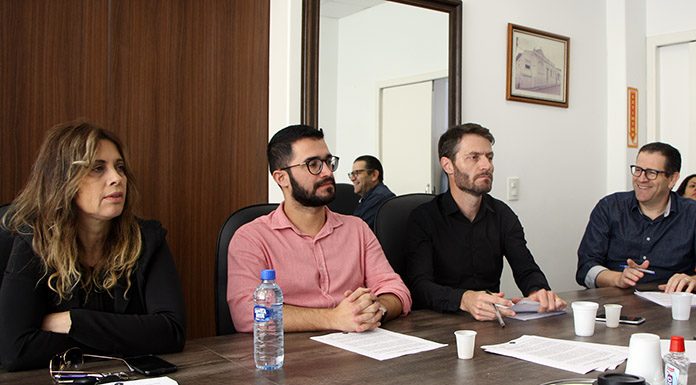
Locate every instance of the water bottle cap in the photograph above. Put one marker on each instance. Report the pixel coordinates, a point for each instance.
(267, 275)
(676, 344)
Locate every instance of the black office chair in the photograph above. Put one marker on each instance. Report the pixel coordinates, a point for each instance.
(223, 320)
(6, 240)
(346, 199)
(391, 226)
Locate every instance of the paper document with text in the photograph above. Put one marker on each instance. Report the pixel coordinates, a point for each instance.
(379, 344)
(574, 356)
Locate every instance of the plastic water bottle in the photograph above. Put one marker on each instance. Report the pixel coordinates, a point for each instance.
(269, 352)
(676, 362)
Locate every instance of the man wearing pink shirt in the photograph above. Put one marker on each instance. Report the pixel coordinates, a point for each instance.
(331, 268)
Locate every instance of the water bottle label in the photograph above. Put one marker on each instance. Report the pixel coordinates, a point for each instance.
(671, 375)
(262, 313)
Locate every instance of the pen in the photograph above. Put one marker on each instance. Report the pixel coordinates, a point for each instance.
(497, 312)
(639, 269)
(497, 315)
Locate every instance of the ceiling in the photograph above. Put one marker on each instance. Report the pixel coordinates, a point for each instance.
(341, 8)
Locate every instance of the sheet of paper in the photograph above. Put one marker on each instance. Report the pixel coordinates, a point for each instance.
(660, 298)
(689, 346)
(379, 344)
(146, 381)
(574, 356)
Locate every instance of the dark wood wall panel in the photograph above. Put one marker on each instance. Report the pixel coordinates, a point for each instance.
(52, 69)
(184, 83)
(189, 91)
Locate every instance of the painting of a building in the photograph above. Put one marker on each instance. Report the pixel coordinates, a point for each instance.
(534, 71)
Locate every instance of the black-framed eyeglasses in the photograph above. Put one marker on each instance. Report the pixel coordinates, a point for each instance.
(354, 174)
(649, 172)
(315, 165)
(64, 368)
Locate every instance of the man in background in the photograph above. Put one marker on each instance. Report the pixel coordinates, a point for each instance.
(368, 182)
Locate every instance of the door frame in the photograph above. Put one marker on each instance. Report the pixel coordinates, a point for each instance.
(653, 43)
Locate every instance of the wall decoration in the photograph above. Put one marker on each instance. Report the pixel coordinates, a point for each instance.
(632, 127)
(537, 66)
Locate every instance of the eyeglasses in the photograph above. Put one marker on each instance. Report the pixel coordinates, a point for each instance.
(649, 173)
(315, 165)
(65, 369)
(354, 174)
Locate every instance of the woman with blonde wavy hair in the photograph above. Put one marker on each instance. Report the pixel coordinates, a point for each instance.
(83, 270)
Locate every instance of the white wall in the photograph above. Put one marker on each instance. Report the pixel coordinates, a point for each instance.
(558, 154)
(386, 42)
(668, 16)
(562, 156)
(283, 72)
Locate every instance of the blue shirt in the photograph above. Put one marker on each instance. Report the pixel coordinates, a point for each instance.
(618, 230)
(371, 202)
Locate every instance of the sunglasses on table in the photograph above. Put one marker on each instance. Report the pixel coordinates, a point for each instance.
(64, 368)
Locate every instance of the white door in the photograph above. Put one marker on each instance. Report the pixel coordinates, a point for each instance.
(405, 137)
(676, 101)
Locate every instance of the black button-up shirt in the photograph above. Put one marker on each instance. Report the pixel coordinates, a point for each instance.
(448, 254)
(618, 230)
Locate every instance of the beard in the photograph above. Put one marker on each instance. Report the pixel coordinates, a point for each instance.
(468, 185)
(310, 198)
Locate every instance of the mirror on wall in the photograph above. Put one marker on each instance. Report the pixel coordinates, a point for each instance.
(383, 78)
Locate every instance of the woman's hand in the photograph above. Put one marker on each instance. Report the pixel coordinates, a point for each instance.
(57, 322)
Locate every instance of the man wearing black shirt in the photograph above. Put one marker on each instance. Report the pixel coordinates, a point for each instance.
(458, 240)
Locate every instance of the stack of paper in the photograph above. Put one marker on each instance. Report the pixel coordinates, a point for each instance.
(660, 298)
(574, 356)
(379, 344)
(527, 309)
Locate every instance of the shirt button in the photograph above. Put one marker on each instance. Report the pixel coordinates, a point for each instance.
(647, 239)
(644, 257)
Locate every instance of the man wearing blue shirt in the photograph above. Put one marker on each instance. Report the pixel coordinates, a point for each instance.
(646, 235)
(368, 182)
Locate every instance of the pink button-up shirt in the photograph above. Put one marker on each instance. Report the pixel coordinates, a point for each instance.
(312, 271)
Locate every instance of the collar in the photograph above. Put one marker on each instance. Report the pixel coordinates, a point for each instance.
(449, 206)
(669, 208)
(279, 221)
(371, 191)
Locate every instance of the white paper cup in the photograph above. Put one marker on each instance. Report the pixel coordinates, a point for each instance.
(613, 313)
(465, 343)
(644, 357)
(681, 306)
(584, 313)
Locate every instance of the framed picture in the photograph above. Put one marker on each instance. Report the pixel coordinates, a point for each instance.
(537, 66)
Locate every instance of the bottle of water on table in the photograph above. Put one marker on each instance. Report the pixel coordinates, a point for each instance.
(269, 352)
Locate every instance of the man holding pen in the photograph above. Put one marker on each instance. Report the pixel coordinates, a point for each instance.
(645, 235)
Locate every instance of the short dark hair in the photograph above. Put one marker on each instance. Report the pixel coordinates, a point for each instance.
(279, 149)
(449, 141)
(372, 163)
(671, 154)
(682, 187)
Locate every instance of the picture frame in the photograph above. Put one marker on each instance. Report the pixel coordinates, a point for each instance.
(537, 66)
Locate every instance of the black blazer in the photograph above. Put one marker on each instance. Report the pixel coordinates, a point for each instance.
(150, 319)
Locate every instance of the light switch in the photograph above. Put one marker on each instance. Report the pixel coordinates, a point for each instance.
(513, 188)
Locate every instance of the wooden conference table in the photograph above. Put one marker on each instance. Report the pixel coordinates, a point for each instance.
(229, 359)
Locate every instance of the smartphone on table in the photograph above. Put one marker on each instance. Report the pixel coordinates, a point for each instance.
(624, 319)
(151, 365)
